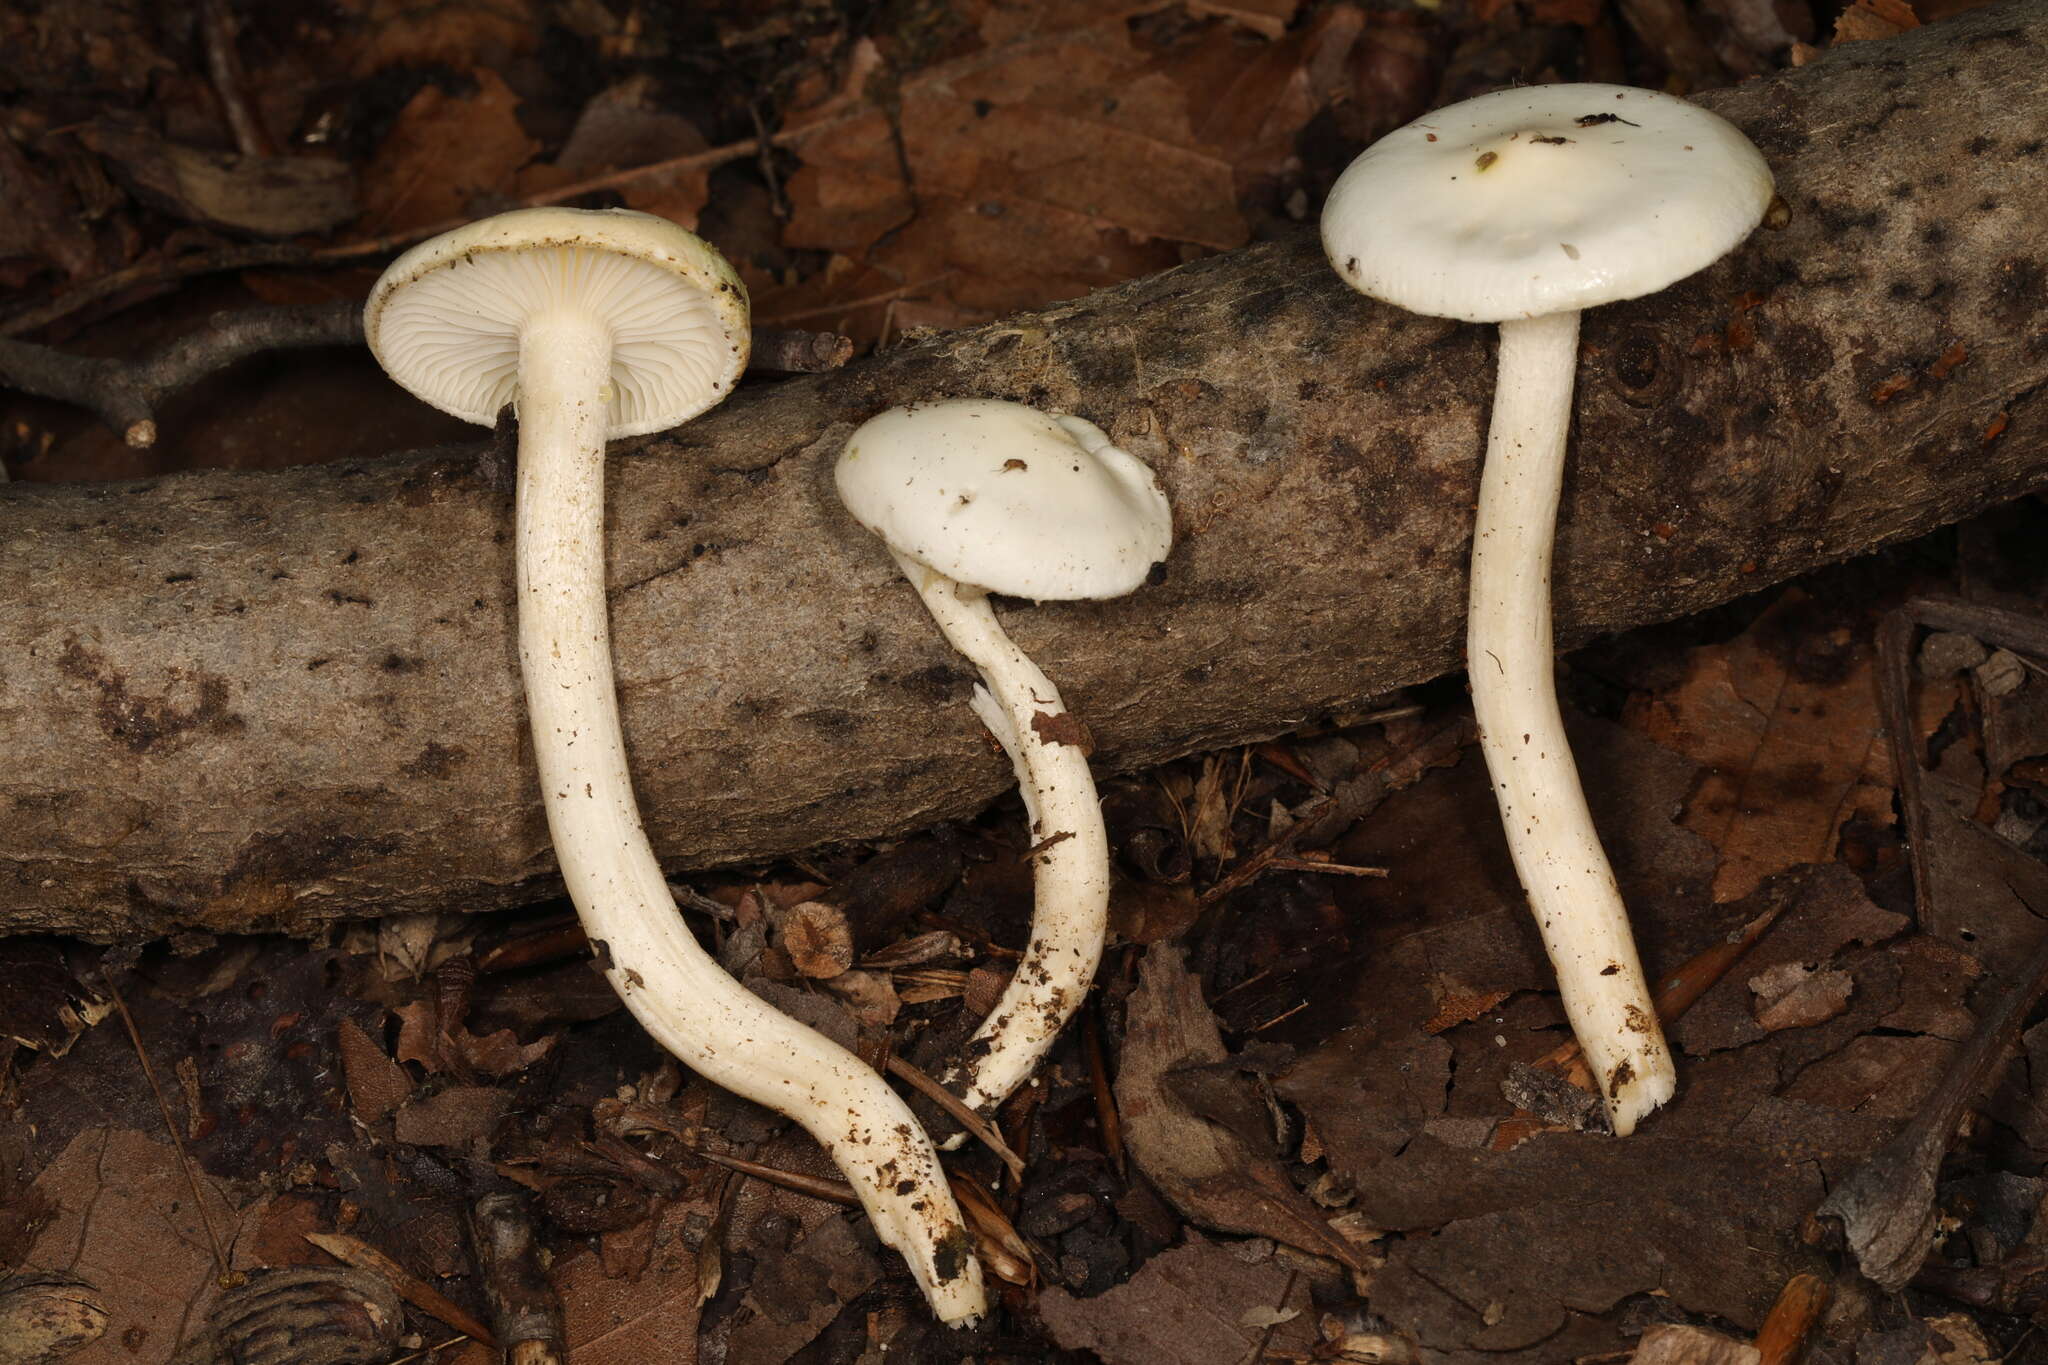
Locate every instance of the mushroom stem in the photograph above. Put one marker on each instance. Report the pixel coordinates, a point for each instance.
(1070, 912)
(678, 992)
(1509, 653)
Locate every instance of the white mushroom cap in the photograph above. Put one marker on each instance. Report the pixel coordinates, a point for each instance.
(445, 319)
(1543, 199)
(1006, 498)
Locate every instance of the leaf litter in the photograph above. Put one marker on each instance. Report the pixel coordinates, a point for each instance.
(1309, 1116)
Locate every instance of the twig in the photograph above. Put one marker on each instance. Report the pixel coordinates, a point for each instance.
(1322, 866)
(1351, 801)
(125, 393)
(158, 271)
(1885, 1211)
(224, 66)
(843, 306)
(220, 1260)
(436, 1347)
(415, 1291)
(960, 1113)
(817, 1187)
(1282, 1017)
(1106, 1117)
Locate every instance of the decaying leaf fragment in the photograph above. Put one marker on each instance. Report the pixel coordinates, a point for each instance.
(1214, 1174)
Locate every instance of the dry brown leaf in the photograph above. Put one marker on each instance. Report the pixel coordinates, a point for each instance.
(1210, 1170)
(915, 951)
(1367, 1093)
(1584, 13)
(648, 1318)
(422, 1039)
(1785, 718)
(461, 1116)
(796, 1295)
(1673, 1343)
(1251, 106)
(376, 1084)
(625, 126)
(1203, 1303)
(1146, 912)
(869, 995)
(853, 300)
(1070, 155)
(1267, 17)
(1868, 19)
(444, 154)
(1877, 1075)
(1823, 911)
(453, 33)
(115, 1191)
(1794, 995)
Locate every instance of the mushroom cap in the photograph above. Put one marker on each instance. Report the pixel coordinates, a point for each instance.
(445, 319)
(1006, 498)
(1543, 199)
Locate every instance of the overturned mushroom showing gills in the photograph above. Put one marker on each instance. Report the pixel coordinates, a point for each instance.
(1524, 207)
(603, 324)
(976, 496)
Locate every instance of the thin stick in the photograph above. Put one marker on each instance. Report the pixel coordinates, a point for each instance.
(220, 1260)
(817, 1187)
(960, 1113)
(865, 301)
(415, 1291)
(441, 1345)
(1322, 868)
(1107, 1120)
(224, 67)
(124, 394)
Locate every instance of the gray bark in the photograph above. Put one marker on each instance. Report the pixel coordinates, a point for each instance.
(254, 701)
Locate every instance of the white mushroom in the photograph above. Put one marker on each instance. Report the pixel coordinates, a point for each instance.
(976, 496)
(1524, 207)
(603, 324)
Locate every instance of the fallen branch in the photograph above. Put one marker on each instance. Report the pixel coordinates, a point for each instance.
(125, 393)
(264, 700)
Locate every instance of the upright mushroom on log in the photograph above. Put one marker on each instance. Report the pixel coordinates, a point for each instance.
(264, 701)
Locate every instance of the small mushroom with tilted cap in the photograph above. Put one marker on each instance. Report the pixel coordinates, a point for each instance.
(1522, 208)
(976, 496)
(599, 324)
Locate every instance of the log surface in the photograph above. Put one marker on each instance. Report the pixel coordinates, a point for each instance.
(262, 701)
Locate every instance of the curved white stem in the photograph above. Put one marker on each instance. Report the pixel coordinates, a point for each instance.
(677, 991)
(1070, 913)
(1509, 652)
